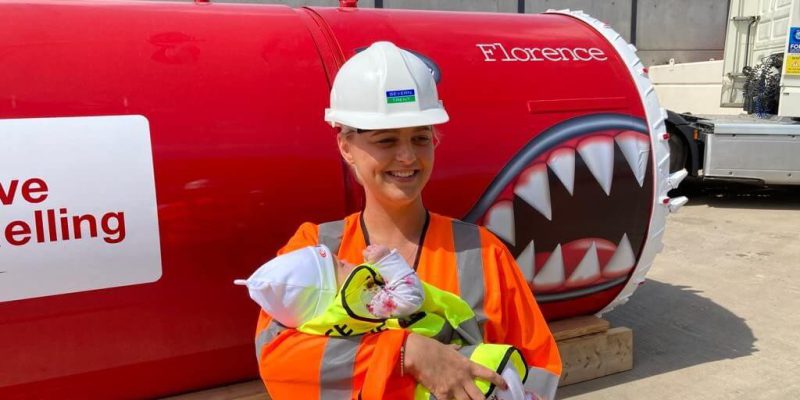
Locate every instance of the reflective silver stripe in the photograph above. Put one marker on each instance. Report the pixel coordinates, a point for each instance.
(467, 351)
(445, 335)
(470, 331)
(336, 370)
(467, 240)
(266, 336)
(330, 234)
(542, 382)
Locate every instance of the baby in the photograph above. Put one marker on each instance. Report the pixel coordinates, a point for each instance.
(397, 293)
(314, 292)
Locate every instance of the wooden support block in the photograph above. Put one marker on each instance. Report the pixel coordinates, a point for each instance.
(578, 326)
(599, 354)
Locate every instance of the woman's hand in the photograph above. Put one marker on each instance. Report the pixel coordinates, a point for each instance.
(444, 371)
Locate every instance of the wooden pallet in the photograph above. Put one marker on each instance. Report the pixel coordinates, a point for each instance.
(589, 350)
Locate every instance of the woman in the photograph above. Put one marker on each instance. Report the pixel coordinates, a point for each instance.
(389, 145)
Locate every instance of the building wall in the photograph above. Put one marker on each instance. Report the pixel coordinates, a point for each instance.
(686, 30)
(617, 13)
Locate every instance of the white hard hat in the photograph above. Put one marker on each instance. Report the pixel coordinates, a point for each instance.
(384, 87)
(294, 287)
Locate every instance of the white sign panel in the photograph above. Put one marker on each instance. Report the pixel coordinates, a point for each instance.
(77, 205)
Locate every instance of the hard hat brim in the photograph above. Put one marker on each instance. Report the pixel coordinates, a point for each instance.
(372, 121)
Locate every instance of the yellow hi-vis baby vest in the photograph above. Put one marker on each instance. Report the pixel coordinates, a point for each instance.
(442, 316)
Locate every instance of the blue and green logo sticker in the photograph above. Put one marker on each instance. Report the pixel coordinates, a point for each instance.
(400, 96)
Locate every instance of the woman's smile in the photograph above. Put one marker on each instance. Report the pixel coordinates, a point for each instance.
(403, 176)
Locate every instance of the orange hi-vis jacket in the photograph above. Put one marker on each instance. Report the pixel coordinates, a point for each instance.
(455, 256)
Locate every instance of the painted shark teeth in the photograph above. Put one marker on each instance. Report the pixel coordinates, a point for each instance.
(534, 188)
(500, 220)
(622, 261)
(598, 153)
(636, 149)
(526, 261)
(552, 273)
(587, 271)
(562, 162)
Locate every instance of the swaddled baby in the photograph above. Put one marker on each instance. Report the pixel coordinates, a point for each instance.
(314, 292)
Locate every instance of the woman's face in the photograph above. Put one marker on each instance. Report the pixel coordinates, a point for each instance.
(393, 165)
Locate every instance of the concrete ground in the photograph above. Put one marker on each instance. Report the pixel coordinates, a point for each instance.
(719, 316)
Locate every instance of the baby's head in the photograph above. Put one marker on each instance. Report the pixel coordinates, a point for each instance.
(375, 252)
(296, 286)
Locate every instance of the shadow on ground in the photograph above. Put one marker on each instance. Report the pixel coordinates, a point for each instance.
(674, 327)
(741, 196)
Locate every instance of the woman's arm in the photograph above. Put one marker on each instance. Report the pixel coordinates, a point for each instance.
(514, 318)
(296, 365)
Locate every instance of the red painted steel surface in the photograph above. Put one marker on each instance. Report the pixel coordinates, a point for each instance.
(234, 95)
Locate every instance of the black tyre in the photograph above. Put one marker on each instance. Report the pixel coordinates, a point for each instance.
(677, 153)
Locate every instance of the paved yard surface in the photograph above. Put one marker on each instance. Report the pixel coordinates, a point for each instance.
(719, 317)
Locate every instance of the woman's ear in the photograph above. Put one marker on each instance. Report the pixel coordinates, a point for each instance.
(344, 148)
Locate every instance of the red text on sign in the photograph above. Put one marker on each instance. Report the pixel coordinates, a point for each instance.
(34, 190)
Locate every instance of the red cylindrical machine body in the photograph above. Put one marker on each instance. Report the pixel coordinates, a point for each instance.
(234, 97)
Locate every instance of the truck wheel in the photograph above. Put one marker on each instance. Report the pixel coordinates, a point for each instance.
(677, 153)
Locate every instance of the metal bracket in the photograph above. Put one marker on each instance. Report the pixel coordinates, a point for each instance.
(753, 18)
